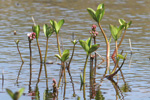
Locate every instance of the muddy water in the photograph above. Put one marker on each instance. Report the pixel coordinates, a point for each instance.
(16, 15)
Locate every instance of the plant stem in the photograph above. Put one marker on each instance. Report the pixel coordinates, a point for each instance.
(61, 74)
(114, 53)
(30, 52)
(107, 49)
(71, 57)
(46, 50)
(84, 72)
(19, 53)
(116, 50)
(30, 64)
(58, 45)
(95, 58)
(39, 50)
(63, 65)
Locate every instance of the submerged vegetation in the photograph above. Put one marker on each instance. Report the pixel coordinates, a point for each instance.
(90, 46)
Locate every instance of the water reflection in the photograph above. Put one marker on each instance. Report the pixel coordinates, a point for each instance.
(19, 72)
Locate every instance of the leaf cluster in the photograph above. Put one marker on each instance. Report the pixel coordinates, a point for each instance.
(86, 45)
(48, 31)
(36, 30)
(98, 14)
(64, 56)
(56, 25)
(16, 95)
(116, 31)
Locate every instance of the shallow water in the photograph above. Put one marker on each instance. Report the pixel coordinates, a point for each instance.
(16, 15)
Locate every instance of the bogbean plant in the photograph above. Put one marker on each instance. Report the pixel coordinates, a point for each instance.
(89, 48)
(115, 32)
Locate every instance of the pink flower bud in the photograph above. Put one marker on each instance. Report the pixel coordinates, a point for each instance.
(31, 36)
(94, 27)
(96, 33)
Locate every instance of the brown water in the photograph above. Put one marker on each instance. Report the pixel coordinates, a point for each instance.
(16, 15)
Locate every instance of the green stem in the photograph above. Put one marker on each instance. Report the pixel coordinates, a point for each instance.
(107, 49)
(84, 72)
(58, 45)
(39, 50)
(114, 53)
(64, 72)
(20, 53)
(46, 50)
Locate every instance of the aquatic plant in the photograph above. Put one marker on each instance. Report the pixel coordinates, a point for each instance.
(97, 16)
(36, 30)
(48, 31)
(31, 36)
(57, 27)
(16, 95)
(86, 45)
(116, 32)
(94, 33)
(17, 43)
(126, 26)
(63, 59)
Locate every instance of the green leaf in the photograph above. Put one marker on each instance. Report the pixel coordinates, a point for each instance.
(120, 56)
(52, 23)
(100, 12)
(84, 45)
(11, 94)
(60, 23)
(89, 41)
(36, 30)
(126, 25)
(129, 24)
(120, 29)
(81, 78)
(48, 31)
(65, 55)
(58, 56)
(92, 13)
(45, 29)
(93, 48)
(114, 31)
(122, 22)
(21, 92)
(100, 6)
(56, 27)
(74, 42)
(125, 56)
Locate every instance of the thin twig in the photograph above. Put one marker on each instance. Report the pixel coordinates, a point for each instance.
(130, 45)
(101, 58)
(33, 21)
